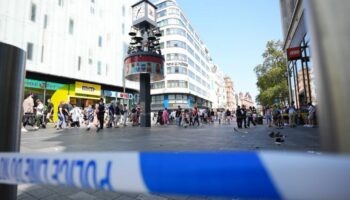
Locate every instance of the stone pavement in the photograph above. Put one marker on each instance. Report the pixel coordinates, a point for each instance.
(167, 138)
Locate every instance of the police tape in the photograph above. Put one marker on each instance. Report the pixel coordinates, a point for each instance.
(267, 175)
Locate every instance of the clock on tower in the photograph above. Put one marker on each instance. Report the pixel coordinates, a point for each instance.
(144, 13)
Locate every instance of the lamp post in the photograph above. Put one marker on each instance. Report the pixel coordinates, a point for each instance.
(144, 62)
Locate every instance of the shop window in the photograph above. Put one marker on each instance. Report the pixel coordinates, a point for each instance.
(30, 49)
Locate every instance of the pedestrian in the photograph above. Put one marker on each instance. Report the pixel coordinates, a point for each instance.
(65, 112)
(212, 114)
(39, 116)
(291, 115)
(268, 116)
(134, 116)
(250, 117)
(28, 112)
(89, 117)
(75, 113)
(100, 114)
(195, 116)
(125, 114)
(239, 117)
(165, 116)
(50, 111)
(111, 113)
(228, 116)
(244, 116)
(178, 116)
(117, 115)
(311, 115)
(61, 123)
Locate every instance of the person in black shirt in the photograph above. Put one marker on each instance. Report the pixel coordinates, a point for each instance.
(244, 115)
(178, 116)
(101, 114)
(239, 117)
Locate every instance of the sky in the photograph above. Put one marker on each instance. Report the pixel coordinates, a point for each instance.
(235, 33)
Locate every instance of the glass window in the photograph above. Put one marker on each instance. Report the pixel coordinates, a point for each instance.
(33, 12)
(190, 39)
(191, 74)
(176, 31)
(162, 13)
(174, 11)
(177, 84)
(190, 50)
(190, 62)
(42, 54)
(79, 62)
(176, 43)
(197, 58)
(60, 3)
(30, 49)
(100, 41)
(99, 68)
(71, 26)
(176, 56)
(158, 85)
(45, 21)
(123, 11)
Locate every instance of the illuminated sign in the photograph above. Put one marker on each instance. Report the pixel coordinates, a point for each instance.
(87, 88)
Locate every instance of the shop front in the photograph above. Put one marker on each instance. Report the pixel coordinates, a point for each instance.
(42, 90)
(122, 98)
(85, 94)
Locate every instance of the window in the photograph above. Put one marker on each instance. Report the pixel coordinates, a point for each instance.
(99, 67)
(45, 21)
(176, 43)
(60, 3)
(107, 69)
(177, 70)
(190, 50)
(174, 11)
(123, 11)
(158, 85)
(79, 63)
(175, 31)
(191, 74)
(177, 84)
(90, 61)
(190, 62)
(159, 99)
(71, 26)
(100, 41)
(32, 12)
(30, 51)
(42, 54)
(176, 56)
(123, 28)
(161, 13)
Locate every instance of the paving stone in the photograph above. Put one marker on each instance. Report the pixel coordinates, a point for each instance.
(124, 197)
(40, 193)
(150, 197)
(106, 195)
(25, 196)
(82, 196)
(57, 197)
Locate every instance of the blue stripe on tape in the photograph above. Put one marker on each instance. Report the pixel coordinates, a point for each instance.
(220, 174)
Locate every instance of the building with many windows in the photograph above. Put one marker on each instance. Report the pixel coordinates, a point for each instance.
(301, 81)
(230, 94)
(187, 62)
(75, 49)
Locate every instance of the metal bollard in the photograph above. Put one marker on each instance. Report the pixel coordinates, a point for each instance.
(12, 73)
(329, 24)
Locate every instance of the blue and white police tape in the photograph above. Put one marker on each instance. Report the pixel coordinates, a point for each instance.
(231, 174)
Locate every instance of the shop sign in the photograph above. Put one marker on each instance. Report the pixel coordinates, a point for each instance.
(53, 86)
(121, 95)
(87, 88)
(294, 53)
(136, 65)
(176, 64)
(30, 83)
(108, 93)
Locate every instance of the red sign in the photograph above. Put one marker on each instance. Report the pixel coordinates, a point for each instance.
(294, 53)
(123, 95)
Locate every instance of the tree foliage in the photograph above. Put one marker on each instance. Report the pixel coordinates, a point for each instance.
(272, 74)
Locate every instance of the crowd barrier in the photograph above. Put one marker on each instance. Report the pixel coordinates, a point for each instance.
(269, 175)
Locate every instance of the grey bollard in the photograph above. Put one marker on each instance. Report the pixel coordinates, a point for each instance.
(329, 24)
(12, 74)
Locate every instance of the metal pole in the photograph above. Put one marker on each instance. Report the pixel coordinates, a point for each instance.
(145, 99)
(12, 73)
(330, 32)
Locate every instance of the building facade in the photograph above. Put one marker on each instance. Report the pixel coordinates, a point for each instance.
(75, 49)
(187, 62)
(230, 94)
(301, 80)
(218, 89)
(246, 99)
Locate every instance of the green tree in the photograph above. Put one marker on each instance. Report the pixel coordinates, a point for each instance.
(272, 77)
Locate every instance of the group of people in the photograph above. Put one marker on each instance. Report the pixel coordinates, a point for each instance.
(98, 116)
(288, 115)
(245, 116)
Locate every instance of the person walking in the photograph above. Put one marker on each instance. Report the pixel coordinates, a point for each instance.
(101, 114)
(228, 116)
(195, 116)
(165, 116)
(250, 117)
(28, 112)
(50, 111)
(75, 113)
(39, 116)
(61, 123)
(117, 115)
(125, 114)
(178, 116)
(239, 117)
(89, 117)
(291, 115)
(268, 116)
(312, 115)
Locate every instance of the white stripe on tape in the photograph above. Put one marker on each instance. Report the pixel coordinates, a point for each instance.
(105, 171)
(300, 176)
